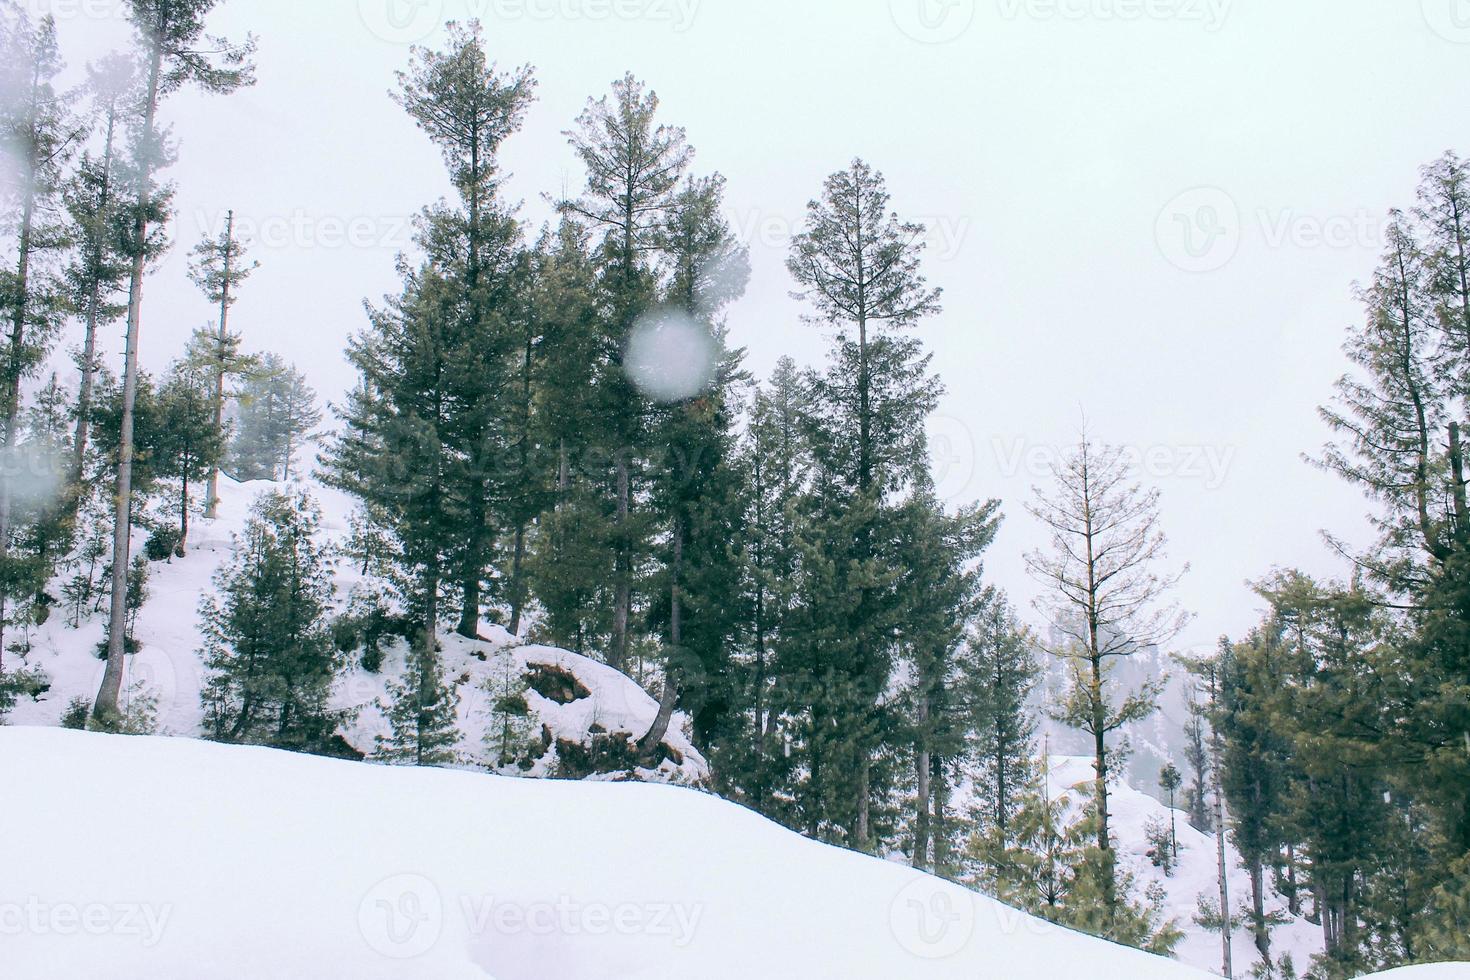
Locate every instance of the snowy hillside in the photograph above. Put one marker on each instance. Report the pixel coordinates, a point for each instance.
(1197, 874)
(570, 700)
(193, 860)
(574, 719)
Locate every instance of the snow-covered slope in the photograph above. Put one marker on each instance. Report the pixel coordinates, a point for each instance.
(173, 858)
(590, 705)
(1197, 874)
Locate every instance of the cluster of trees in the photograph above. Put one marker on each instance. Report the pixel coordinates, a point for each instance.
(556, 436)
(1345, 715)
(87, 450)
(553, 433)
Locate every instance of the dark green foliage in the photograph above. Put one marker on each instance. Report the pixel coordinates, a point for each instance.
(364, 627)
(269, 653)
(422, 713)
(187, 446)
(1003, 674)
(1053, 868)
(22, 682)
(162, 543)
(857, 265)
(78, 710)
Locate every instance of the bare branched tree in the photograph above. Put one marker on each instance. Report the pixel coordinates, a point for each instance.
(1106, 597)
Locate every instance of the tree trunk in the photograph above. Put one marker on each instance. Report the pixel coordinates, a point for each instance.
(924, 794)
(469, 611)
(1227, 964)
(105, 708)
(648, 745)
(93, 315)
(939, 831)
(1258, 909)
(181, 550)
(623, 592)
(211, 496)
(517, 583)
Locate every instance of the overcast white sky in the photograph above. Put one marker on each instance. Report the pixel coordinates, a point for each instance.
(1150, 211)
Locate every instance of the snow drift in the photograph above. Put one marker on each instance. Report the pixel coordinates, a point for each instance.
(171, 858)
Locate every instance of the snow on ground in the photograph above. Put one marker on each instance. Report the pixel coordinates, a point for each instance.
(168, 664)
(1196, 875)
(175, 858)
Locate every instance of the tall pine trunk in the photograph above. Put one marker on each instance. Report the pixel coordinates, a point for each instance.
(924, 794)
(1227, 964)
(211, 496)
(670, 696)
(105, 708)
(92, 317)
(623, 591)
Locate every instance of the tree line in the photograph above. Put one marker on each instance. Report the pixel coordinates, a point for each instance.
(91, 458)
(552, 432)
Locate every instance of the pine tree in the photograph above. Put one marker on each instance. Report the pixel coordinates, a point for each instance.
(168, 39)
(1053, 868)
(942, 592)
(392, 453)
(775, 468)
(857, 264)
(277, 412)
(37, 135)
(634, 169)
(695, 494)
(268, 653)
(422, 715)
(1106, 595)
(1005, 673)
(1170, 779)
(188, 447)
(98, 269)
(1197, 758)
(571, 560)
(1253, 774)
(218, 267)
(468, 109)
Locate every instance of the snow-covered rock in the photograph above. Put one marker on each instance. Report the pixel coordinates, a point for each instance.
(175, 859)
